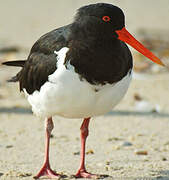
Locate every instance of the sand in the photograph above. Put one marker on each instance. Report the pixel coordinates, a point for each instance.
(115, 139)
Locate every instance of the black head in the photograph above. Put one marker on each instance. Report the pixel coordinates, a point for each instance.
(102, 16)
(106, 22)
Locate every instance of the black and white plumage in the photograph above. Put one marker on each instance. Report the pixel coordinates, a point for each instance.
(79, 71)
(77, 59)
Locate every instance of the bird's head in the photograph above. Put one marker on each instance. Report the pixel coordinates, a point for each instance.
(105, 16)
(107, 19)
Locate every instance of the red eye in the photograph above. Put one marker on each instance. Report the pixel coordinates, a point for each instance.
(106, 18)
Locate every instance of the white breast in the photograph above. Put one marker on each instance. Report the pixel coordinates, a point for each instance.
(66, 95)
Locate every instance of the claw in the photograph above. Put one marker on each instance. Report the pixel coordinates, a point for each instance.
(84, 174)
(47, 171)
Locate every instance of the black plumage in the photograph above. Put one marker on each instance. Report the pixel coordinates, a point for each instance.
(94, 50)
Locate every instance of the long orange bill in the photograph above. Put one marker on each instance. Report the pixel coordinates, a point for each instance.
(125, 36)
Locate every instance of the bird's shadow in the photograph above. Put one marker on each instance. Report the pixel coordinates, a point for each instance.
(65, 177)
(99, 176)
(22, 110)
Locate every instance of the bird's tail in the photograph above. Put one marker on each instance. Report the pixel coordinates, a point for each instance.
(15, 63)
(19, 63)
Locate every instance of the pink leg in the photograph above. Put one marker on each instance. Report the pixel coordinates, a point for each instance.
(82, 173)
(46, 170)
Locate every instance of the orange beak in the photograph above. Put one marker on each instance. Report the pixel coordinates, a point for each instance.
(125, 36)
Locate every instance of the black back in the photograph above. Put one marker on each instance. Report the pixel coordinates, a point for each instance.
(42, 60)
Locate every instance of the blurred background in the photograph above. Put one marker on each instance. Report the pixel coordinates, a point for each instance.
(146, 104)
(23, 22)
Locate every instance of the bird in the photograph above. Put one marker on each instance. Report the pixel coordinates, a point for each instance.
(80, 70)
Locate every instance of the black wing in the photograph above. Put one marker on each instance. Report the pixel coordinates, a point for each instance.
(42, 61)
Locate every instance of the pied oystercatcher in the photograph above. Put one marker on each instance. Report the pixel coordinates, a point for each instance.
(80, 70)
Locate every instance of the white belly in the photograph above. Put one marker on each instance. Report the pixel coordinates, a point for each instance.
(66, 95)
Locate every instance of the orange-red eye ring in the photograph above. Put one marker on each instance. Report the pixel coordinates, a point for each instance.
(106, 18)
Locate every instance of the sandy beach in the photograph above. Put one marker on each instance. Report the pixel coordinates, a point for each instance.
(131, 142)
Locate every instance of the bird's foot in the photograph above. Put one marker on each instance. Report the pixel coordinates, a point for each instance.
(47, 171)
(82, 173)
